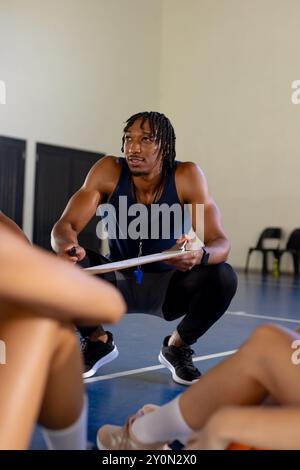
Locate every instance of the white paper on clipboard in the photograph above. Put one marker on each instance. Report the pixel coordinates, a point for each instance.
(176, 250)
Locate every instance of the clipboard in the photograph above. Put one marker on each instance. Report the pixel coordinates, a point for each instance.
(175, 251)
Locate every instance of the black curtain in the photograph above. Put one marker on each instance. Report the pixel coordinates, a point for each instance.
(12, 167)
(60, 172)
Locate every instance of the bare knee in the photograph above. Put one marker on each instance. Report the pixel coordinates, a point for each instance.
(267, 339)
(270, 333)
(20, 320)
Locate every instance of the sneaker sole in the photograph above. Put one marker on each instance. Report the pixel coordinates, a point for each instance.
(104, 360)
(175, 377)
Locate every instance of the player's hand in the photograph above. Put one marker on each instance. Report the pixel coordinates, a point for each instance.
(190, 259)
(71, 252)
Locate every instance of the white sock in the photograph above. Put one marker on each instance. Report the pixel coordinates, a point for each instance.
(166, 424)
(73, 437)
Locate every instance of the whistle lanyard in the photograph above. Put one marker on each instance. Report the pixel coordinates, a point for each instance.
(138, 273)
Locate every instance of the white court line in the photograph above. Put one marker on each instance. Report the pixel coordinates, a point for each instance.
(197, 359)
(147, 369)
(263, 317)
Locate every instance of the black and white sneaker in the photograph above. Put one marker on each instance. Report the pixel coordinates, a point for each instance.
(97, 353)
(179, 361)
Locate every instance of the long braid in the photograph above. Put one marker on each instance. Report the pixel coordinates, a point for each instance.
(163, 131)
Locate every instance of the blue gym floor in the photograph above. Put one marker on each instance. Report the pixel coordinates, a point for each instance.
(136, 377)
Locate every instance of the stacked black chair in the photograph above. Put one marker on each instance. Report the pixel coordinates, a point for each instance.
(292, 247)
(268, 234)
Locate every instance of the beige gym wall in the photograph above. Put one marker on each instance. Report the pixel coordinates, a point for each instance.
(74, 71)
(226, 73)
(221, 69)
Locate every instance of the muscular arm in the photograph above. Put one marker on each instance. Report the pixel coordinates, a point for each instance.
(192, 189)
(214, 237)
(99, 183)
(258, 427)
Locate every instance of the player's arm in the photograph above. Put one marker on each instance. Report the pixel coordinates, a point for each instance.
(33, 278)
(206, 219)
(11, 225)
(195, 191)
(81, 208)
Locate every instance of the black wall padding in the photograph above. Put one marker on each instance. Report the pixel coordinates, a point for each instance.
(12, 167)
(60, 172)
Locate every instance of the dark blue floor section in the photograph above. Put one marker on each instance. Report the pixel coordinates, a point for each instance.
(265, 295)
(139, 338)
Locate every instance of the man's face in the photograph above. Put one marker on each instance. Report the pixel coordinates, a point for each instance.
(142, 151)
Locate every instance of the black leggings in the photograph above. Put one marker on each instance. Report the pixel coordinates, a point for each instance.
(201, 296)
(94, 259)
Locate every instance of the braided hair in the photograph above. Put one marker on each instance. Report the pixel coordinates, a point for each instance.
(162, 130)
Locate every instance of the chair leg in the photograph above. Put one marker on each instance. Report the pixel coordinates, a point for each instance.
(247, 261)
(265, 262)
(296, 264)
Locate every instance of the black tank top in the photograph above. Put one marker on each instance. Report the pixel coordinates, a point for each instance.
(122, 246)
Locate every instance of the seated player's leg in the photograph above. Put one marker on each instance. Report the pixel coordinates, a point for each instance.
(261, 367)
(97, 346)
(42, 376)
